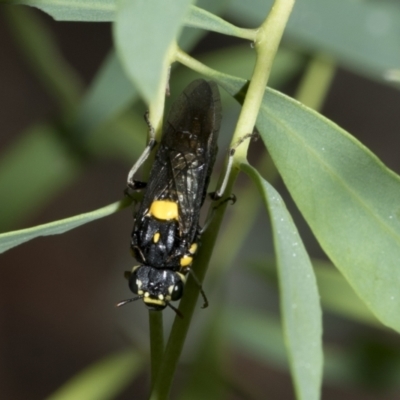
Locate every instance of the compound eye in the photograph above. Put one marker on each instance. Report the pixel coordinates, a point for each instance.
(134, 283)
(177, 291)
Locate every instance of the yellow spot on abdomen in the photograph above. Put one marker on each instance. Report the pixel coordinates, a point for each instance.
(193, 248)
(156, 237)
(164, 210)
(186, 260)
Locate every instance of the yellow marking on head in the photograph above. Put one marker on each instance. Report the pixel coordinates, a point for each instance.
(186, 260)
(193, 248)
(164, 210)
(161, 297)
(140, 292)
(150, 300)
(156, 237)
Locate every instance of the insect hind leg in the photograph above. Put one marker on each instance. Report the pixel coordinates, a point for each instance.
(219, 192)
(132, 184)
(232, 198)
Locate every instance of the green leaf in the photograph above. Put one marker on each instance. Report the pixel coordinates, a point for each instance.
(102, 380)
(144, 32)
(363, 35)
(301, 312)
(199, 18)
(346, 194)
(26, 180)
(99, 10)
(348, 197)
(74, 10)
(111, 92)
(338, 296)
(9, 240)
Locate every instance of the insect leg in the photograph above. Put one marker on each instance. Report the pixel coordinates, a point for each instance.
(131, 183)
(177, 312)
(218, 193)
(231, 198)
(198, 284)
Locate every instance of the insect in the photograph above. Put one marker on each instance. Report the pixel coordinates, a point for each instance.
(166, 229)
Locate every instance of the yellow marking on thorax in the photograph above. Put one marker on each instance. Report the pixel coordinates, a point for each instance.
(164, 210)
(156, 237)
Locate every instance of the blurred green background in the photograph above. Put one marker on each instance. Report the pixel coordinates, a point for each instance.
(57, 312)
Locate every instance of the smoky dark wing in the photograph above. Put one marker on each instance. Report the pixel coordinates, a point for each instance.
(196, 110)
(189, 178)
(192, 131)
(187, 153)
(175, 177)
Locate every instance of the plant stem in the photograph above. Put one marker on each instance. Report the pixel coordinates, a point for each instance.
(266, 44)
(156, 342)
(316, 82)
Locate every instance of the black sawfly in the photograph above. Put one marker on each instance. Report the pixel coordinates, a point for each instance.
(166, 231)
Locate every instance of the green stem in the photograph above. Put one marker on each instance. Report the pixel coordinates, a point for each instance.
(266, 44)
(156, 342)
(316, 82)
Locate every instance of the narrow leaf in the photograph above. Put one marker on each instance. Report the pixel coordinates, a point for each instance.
(339, 297)
(348, 197)
(301, 312)
(74, 10)
(199, 18)
(15, 238)
(144, 32)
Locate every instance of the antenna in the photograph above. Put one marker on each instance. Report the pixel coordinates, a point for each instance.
(123, 302)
